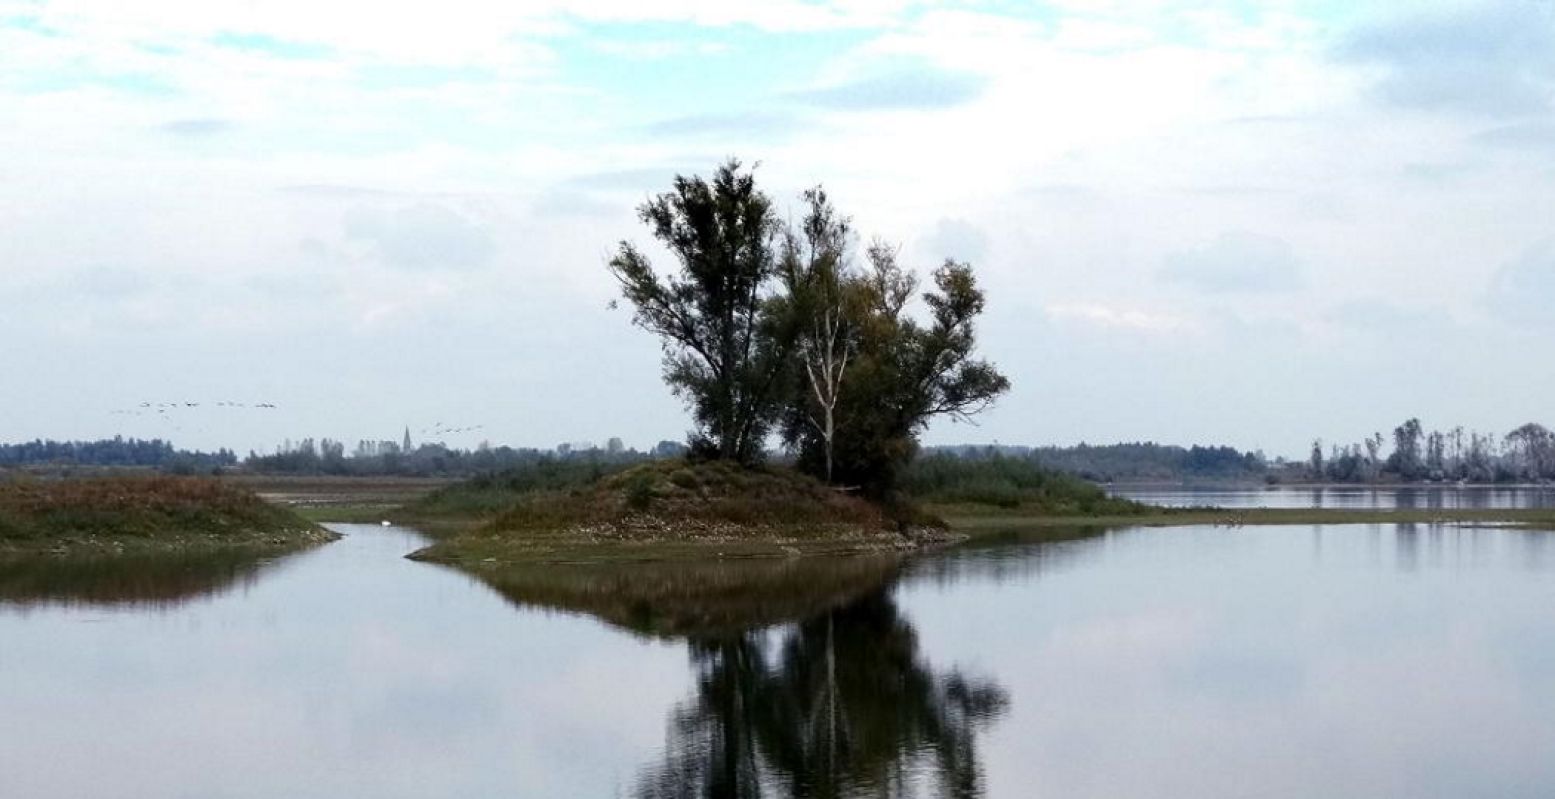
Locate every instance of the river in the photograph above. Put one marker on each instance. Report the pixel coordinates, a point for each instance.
(1359, 660)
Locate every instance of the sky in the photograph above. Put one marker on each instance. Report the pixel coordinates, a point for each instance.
(1251, 223)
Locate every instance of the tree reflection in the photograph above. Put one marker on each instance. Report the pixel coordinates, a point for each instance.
(841, 704)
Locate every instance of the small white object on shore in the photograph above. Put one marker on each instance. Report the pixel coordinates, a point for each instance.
(385, 523)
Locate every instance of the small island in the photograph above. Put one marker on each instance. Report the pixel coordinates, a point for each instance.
(662, 510)
(144, 514)
(768, 329)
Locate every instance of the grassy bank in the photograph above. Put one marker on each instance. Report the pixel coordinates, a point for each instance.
(470, 503)
(113, 515)
(665, 509)
(330, 498)
(1009, 485)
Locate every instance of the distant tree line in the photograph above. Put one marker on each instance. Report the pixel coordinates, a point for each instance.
(389, 458)
(1525, 454)
(1131, 461)
(115, 452)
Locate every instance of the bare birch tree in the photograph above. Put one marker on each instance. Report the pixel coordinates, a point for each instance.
(815, 266)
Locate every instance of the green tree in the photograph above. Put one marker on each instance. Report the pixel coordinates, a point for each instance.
(903, 373)
(822, 306)
(723, 354)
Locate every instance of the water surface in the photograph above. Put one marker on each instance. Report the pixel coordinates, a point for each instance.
(1442, 497)
(1361, 660)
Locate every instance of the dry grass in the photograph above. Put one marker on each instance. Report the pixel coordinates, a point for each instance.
(670, 509)
(142, 512)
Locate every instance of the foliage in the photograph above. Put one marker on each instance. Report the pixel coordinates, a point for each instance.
(118, 452)
(835, 358)
(905, 373)
(823, 306)
(1134, 460)
(1008, 482)
(429, 460)
(1526, 453)
(722, 353)
(488, 494)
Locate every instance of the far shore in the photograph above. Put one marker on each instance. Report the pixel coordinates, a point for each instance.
(1257, 485)
(968, 519)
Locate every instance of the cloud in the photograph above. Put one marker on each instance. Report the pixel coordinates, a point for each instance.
(565, 202)
(920, 88)
(1523, 291)
(956, 238)
(271, 46)
(1236, 262)
(1525, 135)
(104, 282)
(1110, 317)
(209, 126)
(422, 236)
(637, 180)
(334, 191)
(1389, 318)
(420, 76)
(1497, 59)
(76, 77)
(759, 124)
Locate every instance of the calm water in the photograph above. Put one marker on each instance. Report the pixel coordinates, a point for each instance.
(1281, 662)
(1421, 496)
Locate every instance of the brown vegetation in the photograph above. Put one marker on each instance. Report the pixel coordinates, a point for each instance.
(672, 508)
(112, 514)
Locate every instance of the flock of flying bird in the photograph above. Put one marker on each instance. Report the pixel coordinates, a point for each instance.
(440, 430)
(147, 408)
(166, 410)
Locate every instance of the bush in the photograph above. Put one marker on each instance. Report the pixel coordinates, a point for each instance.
(1007, 482)
(639, 491)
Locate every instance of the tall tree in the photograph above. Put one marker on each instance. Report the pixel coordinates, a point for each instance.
(1532, 451)
(1405, 460)
(822, 300)
(904, 373)
(721, 353)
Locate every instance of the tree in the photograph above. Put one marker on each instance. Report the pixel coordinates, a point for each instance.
(720, 353)
(902, 373)
(1373, 451)
(1405, 460)
(1436, 455)
(1532, 449)
(821, 301)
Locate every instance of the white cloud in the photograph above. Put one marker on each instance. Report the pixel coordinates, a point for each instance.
(1236, 262)
(1523, 291)
(1118, 318)
(422, 236)
(162, 139)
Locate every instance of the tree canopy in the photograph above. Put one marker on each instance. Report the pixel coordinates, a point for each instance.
(719, 351)
(768, 326)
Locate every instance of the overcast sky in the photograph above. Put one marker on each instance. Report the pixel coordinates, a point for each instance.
(1249, 222)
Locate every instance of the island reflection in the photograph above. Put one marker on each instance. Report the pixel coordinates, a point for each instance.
(161, 581)
(809, 678)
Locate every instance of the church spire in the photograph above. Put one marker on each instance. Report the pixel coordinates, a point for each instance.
(406, 446)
